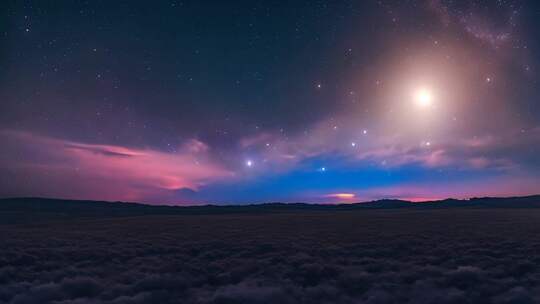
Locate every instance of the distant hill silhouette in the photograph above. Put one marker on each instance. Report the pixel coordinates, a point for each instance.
(27, 210)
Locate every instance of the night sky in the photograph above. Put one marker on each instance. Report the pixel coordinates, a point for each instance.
(187, 102)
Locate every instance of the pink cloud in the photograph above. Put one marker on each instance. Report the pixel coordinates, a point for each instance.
(260, 139)
(62, 168)
(395, 156)
(479, 142)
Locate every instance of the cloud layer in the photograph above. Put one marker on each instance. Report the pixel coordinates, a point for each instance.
(430, 256)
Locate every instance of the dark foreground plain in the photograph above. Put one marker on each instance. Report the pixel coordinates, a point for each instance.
(293, 255)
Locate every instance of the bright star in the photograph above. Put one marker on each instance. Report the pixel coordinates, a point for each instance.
(423, 97)
(249, 163)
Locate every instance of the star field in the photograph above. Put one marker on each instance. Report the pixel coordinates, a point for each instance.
(186, 102)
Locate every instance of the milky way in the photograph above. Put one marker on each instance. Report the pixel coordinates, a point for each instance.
(315, 101)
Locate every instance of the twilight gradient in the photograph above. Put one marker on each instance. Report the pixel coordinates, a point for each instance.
(212, 102)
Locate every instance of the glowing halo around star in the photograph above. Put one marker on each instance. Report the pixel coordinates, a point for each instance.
(423, 98)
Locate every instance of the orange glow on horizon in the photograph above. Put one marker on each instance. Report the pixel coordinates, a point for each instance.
(343, 196)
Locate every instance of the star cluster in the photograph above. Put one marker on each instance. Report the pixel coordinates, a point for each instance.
(316, 101)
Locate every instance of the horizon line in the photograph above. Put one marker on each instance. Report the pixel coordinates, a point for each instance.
(271, 203)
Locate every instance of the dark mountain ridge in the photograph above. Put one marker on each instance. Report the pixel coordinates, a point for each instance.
(16, 210)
